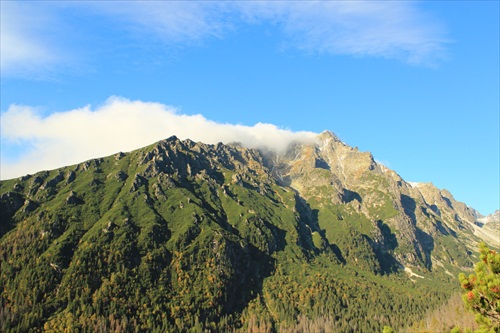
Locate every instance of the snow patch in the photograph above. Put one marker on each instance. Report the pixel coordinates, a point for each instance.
(410, 273)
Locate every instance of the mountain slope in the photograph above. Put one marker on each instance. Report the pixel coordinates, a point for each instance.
(347, 187)
(488, 228)
(182, 235)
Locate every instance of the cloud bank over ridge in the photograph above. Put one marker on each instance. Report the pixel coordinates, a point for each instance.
(73, 136)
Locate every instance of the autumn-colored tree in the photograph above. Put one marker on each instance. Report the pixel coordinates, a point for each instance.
(388, 329)
(482, 290)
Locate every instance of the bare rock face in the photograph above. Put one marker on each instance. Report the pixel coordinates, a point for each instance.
(29, 206)
(442, 202)
(73, 199)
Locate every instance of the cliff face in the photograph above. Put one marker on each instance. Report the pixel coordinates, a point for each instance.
(209, 231)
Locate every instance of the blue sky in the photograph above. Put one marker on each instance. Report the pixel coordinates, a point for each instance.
(415, 83)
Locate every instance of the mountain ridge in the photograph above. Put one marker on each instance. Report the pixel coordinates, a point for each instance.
(218, 236)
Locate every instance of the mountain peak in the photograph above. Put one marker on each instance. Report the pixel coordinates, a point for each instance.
(172, 138)
(325, 135)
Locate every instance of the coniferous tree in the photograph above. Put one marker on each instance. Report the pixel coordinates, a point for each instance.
(482, 290)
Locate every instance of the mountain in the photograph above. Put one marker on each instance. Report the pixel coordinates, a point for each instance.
(488, 228)
(343, 184)
(185, 236)
(495, 217)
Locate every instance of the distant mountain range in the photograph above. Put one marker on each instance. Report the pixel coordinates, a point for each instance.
(185, 236)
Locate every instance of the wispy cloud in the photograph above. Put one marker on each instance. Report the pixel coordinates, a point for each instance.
(21, 48)
(119, 124)
(170, 21)
(398, 30)
(390, 29)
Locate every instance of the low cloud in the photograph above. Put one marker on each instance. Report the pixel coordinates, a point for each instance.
(70, 137)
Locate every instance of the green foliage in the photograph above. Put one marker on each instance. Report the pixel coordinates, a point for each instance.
(456, 251)
(303, 296)
(482, 290)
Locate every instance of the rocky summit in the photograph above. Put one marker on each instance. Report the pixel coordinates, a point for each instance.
(190, 237)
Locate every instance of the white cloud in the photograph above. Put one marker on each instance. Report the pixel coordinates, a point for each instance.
(26, 50)
(171, 21)
(390, 29)
(70, 137)
(394, 29)
(33, 33)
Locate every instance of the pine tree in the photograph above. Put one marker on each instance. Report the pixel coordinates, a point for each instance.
(482, 290)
